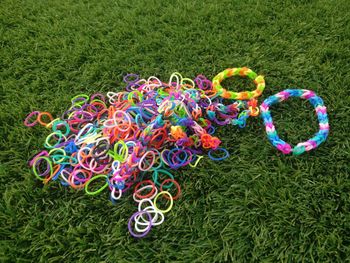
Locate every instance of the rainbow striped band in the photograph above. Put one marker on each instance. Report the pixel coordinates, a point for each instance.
(243, 72)
(321, 112)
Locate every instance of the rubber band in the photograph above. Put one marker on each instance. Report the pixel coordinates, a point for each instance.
(145, 232)
(173, 182)
(137, 191)
(164, 211)
(49, 167)
(30, 115)
(40, 116)
(98, 190)
(226, 154)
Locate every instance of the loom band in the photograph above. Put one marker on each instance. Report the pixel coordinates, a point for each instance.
(86, 131)
(65, 160)
(154, 221)
(186, 160)
(48, 167)
(241, 123)
(196, 161)
(75, 184)
(57, 122)
(120, 154)
(74, 126)
(140, 121)
(206, 85)
(187, 86)
(111, 97)
(172, 154)
(143, 202)
(97, 168)
(82, 116)
(243, 72)
(226, 154)
(40, 118)
(164, 211)
(173, 182)
(140, 220)
(159, 166)
(143, 160)
(131, 99)
(147, 115)
(56, 169)
(91, 109)
(86, 175)
(80, 99)
(124, 114)
(36, 155)
(101, 147)
(102, 116)
(205, 101)
(99, 190)
(88, 139)
(178, 78)
(113, 194)
(222, 123)
(224, 116)
(284, 148)
(103, 161)
(29, 116)
(119, 185)
(158, 138)
(83, 161)
(99, 105)
(156, 173)
(138, 190)
(58, 173)
(99, 97)
(146, 230)
(63, 152)
(254, 111)
(60, 138)
(131, 78)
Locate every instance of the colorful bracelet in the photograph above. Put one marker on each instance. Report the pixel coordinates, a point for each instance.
(321, 112)
(243, 72)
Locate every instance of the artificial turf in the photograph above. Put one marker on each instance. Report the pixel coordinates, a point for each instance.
(256, 206)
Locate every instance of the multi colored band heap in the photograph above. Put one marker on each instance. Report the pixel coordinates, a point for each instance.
(127, 141)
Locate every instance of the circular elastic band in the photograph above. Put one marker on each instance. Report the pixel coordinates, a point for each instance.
(171, 202)
(132, 218)
(98, 190)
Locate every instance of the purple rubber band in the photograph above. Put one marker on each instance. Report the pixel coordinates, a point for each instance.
(148, 227)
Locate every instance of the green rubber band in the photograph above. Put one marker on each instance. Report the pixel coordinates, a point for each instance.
(156, 174)
(124, 154)
(131, 94)
(98, 190)
(34, 166)
(48, 145)
(56, 123)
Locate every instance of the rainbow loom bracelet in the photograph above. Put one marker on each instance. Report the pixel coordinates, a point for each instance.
(243, 72)
(321, 112)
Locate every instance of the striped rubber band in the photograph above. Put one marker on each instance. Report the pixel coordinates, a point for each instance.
(321, 112)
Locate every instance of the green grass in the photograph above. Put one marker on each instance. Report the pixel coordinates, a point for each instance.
(255, 206)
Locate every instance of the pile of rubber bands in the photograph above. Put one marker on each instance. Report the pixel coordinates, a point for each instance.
(130, 141)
